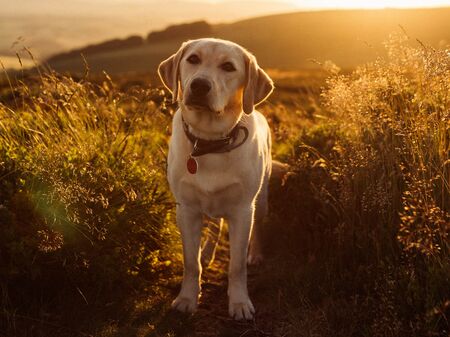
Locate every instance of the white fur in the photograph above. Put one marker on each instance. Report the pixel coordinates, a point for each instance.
(231, 185)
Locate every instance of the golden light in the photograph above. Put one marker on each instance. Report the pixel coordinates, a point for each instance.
(369, 4)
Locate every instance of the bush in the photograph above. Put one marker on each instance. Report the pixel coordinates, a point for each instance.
(369, 194)
(84, 207)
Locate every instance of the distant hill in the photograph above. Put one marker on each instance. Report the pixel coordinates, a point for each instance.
(175, 32)
(54, 26)
(183, 31)
(286, 41)
(109, 45)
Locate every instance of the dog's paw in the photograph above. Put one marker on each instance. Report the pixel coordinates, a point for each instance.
(255, 259)
(185, 304)
(241, 310)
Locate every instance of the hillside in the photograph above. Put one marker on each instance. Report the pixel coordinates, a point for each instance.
(290, 41)
(49, 27)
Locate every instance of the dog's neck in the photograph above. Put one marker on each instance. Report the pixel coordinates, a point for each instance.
(227, 143)
(207, 135)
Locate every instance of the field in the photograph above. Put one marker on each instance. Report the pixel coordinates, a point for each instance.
(357, 236)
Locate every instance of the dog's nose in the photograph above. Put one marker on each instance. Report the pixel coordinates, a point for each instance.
(200, 87)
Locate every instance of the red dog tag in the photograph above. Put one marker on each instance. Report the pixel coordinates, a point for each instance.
(192, 165)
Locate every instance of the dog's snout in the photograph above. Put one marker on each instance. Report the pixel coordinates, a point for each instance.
(200, 87)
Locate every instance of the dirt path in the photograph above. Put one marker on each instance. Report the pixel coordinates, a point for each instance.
(156, 318)
(212, 317)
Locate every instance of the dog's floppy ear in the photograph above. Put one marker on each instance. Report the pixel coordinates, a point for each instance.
(168, 71)
(258, 86)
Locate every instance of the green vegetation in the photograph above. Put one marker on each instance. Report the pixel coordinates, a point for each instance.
(357, 237)
(83, 203)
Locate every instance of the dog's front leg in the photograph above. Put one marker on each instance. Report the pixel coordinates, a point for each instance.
(190, 224)
(240, 223)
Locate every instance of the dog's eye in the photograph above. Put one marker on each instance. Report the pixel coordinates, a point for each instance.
(227, 66)
(193, 59)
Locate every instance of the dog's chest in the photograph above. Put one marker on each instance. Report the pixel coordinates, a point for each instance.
(213, 198)
(214, 187)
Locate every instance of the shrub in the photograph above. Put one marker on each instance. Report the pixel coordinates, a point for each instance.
(83, 201)
(369, 194)
(400, 110)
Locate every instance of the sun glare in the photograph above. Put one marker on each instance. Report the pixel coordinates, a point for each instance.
(371, 4)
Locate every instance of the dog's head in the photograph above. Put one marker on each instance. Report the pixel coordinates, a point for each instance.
(214, 81)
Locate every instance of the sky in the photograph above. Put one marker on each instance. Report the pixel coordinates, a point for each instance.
(327, 4)
(51, 26)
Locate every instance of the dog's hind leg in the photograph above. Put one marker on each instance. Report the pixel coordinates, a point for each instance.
(213, 230)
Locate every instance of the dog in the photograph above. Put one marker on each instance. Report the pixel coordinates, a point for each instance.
(219, 161)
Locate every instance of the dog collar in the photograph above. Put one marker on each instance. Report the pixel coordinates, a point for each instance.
(222, 145)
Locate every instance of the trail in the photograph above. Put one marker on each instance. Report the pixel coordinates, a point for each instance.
(212, 317)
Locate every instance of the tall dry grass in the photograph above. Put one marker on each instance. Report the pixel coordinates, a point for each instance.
(84, 208)
(399, 111)
(367, 204)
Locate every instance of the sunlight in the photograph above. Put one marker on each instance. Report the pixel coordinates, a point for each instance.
(370, 4)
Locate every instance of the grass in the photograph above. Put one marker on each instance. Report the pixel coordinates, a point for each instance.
(83, 193)
(356, 239)
(367, 204)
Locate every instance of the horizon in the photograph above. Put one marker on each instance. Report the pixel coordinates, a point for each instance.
(75, 24)
(347, 4)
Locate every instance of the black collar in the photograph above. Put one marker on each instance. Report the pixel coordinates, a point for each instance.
(226, 144)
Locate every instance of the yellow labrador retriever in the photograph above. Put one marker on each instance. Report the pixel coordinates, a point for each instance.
(219, 160)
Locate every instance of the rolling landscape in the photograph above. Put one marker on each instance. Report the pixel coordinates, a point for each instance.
(356, 241)
(285, 41)
(51, 26)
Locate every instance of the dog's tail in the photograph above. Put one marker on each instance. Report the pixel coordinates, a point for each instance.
(279, 170)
